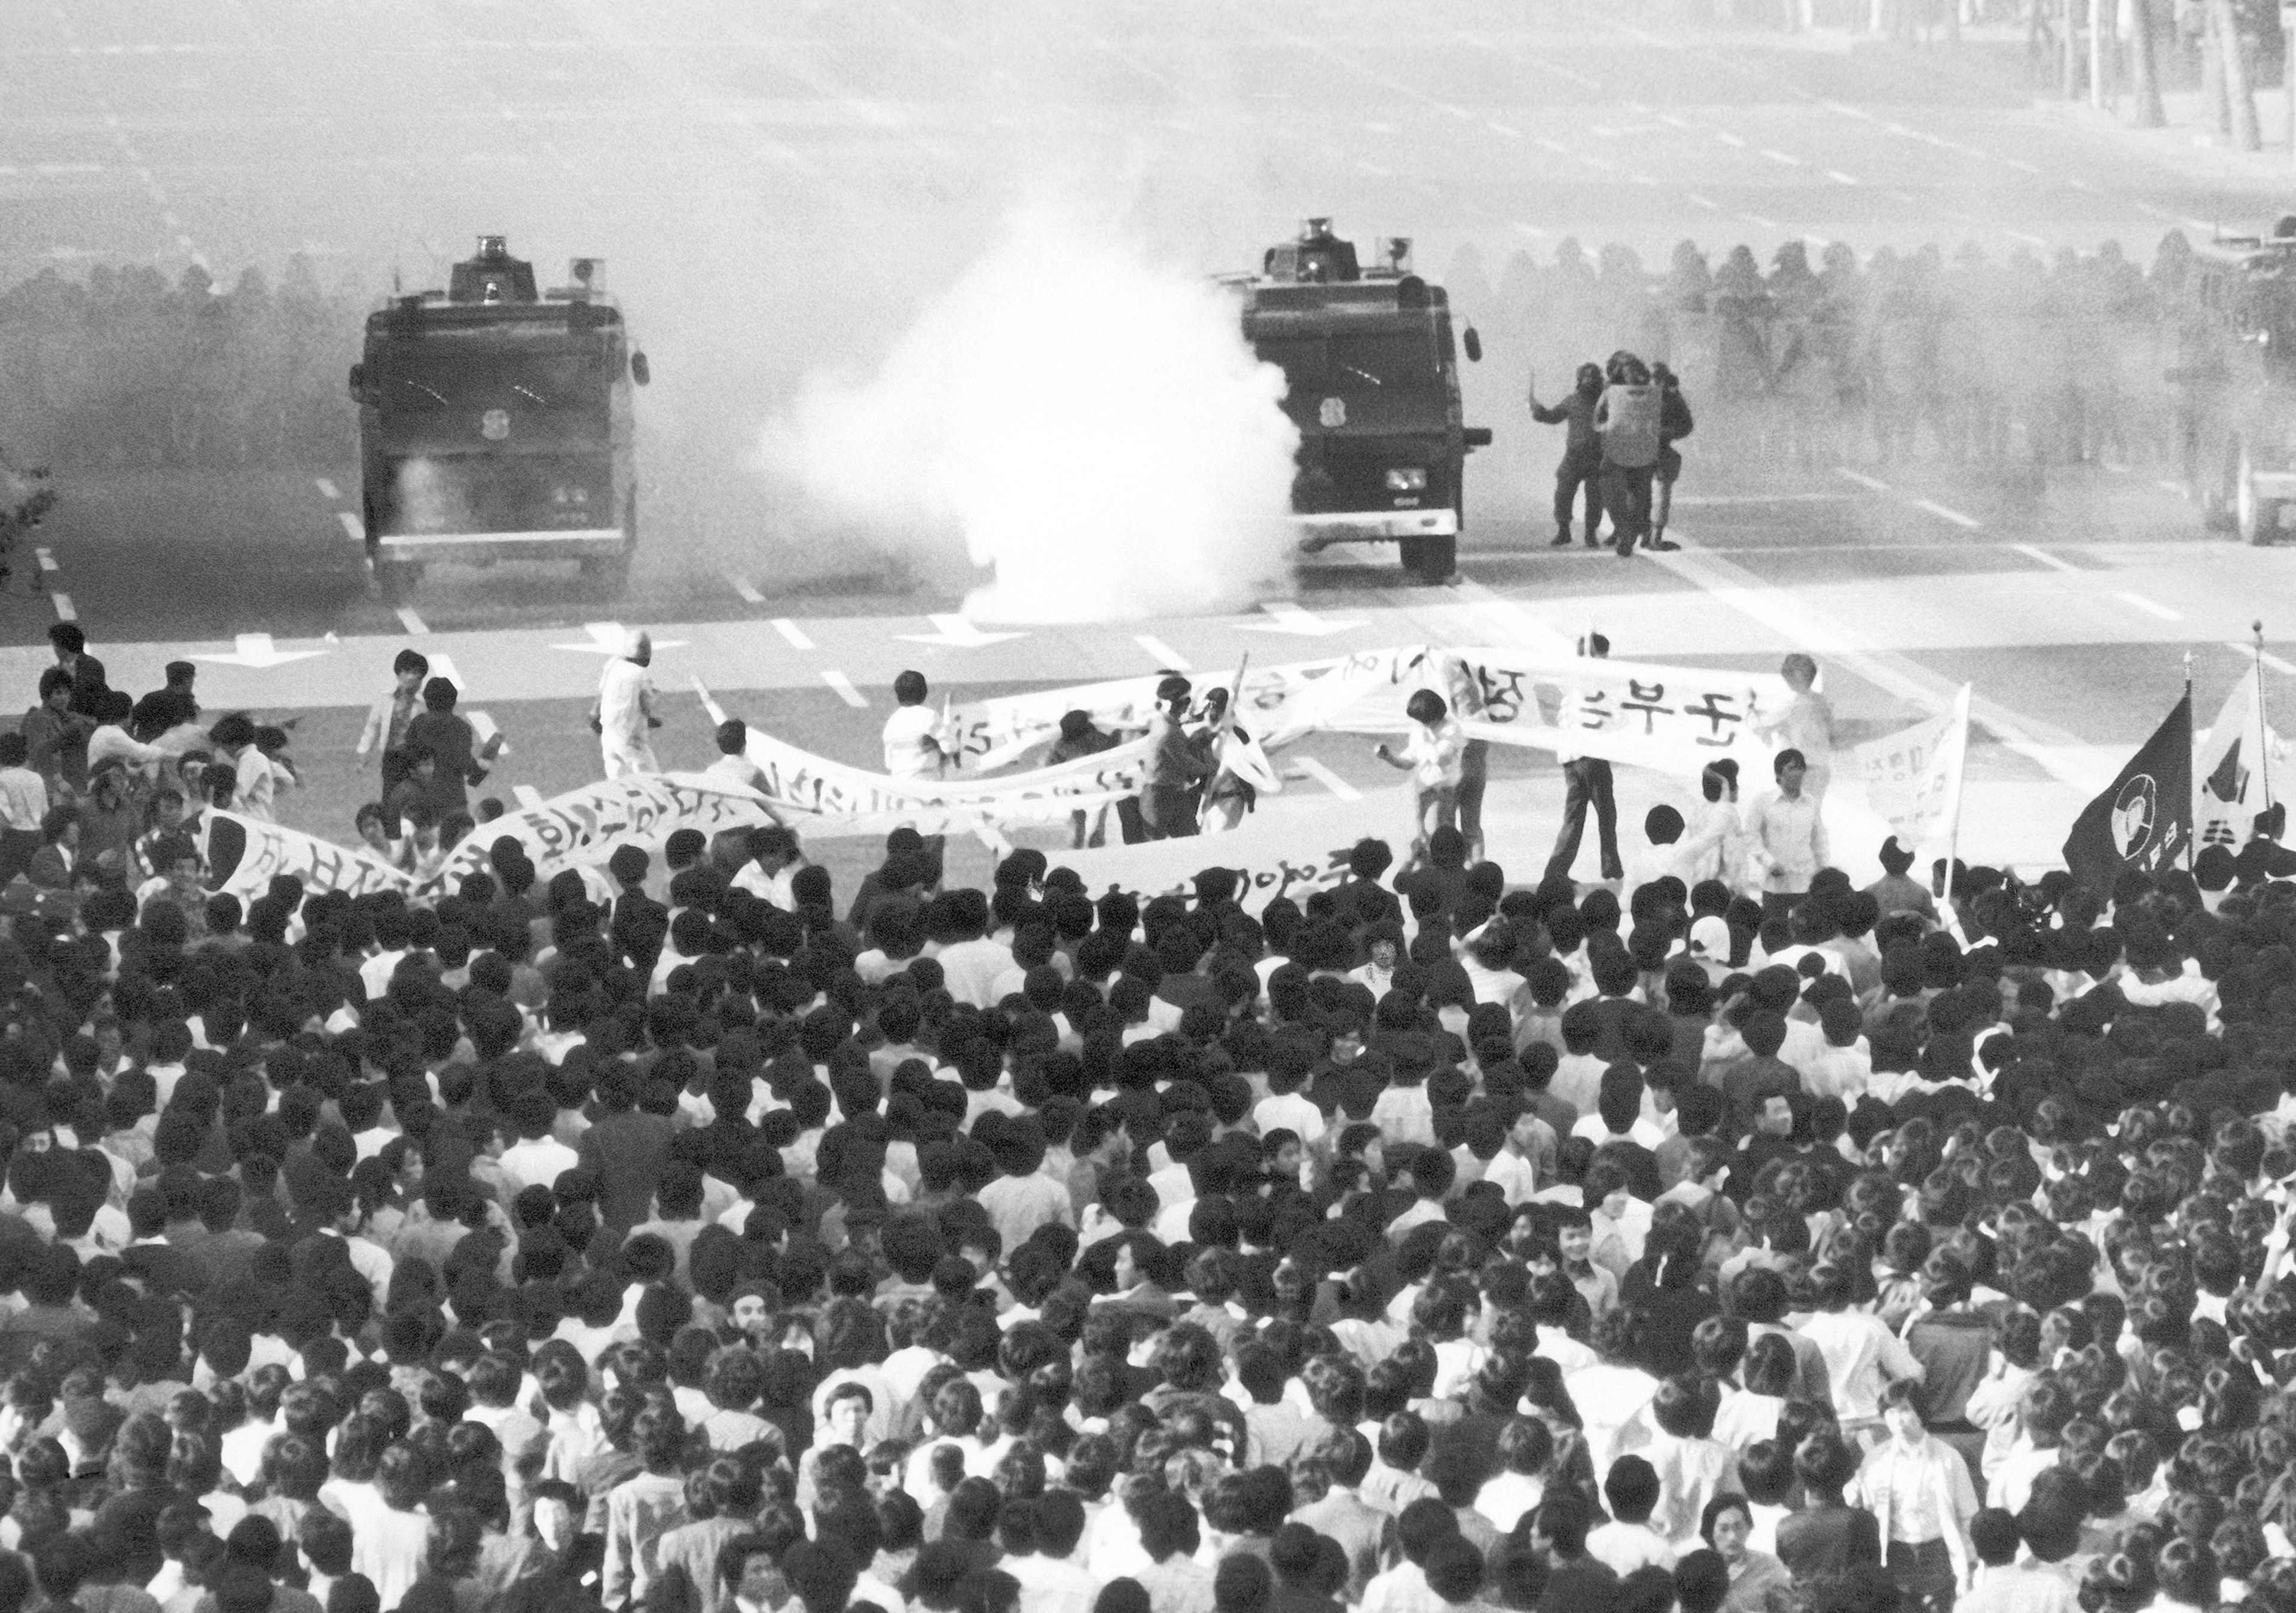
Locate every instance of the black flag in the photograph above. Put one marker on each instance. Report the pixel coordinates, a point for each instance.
(2143, 819)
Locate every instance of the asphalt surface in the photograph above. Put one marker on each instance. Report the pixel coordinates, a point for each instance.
(778, 189)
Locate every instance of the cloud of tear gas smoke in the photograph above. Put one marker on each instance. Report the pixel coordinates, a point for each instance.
(1090, 425)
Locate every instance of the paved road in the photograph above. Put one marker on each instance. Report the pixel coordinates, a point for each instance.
(777, 189)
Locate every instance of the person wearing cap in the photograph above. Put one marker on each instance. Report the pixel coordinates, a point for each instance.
(623, 714)
(1177, 766)
(1433, 755)
(387, 718)
(1785, 836)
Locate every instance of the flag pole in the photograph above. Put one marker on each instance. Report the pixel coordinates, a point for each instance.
(2188, 741)
(2263, 717)
(1952, 830)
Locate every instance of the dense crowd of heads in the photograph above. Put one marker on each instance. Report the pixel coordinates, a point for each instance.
(1422, 1243)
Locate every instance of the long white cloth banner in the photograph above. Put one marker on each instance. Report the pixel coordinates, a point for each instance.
(799, 782)
(582, 827)
(1300, 848)
(1914, 777)
(990, 733)
(244, 854)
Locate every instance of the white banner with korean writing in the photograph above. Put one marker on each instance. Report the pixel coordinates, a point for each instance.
(1293, 851)
(583, 827)
(993, 733)
(245, 855)
(1914, 779)
(1670, 719)
(795, 781)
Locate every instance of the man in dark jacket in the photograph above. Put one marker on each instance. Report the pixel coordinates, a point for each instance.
(1582, 452)
(1674, 424)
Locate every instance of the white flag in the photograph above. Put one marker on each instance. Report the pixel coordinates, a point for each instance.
(1913, 779)
(2229, 767)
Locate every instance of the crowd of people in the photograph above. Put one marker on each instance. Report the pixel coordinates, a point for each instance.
(1719, 1239)
(1952, 357)
(123, 370)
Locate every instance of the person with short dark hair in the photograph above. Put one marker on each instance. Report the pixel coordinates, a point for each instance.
(1177, 767)
(387, 719)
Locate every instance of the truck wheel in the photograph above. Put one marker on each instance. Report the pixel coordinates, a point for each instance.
(1438, 558)
(1412, 552)
(609, 577)
(2256, 519)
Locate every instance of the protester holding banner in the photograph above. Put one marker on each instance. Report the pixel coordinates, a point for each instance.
(1805, 723)
(1587, 782)
(1435, 758)
(492, 1228)
(1177, 766)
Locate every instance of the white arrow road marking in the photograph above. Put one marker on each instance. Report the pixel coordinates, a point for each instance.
(257, 650)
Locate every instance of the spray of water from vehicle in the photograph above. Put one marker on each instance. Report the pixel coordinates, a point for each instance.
(1081, 420)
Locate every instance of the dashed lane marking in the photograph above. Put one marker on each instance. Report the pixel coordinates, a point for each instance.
(1781, 158)
(353, 527)
(790, 631)
(408, 619)
(65, 610)
(1839, 177)
(1760, 223)
(1872, 484)
(843, 685)
(2150, 607)
(1160, 653)
(746, 588)
(47, 560)
(1696, 200)
(2035, 553)
(326, 488)
(1329, 780)
(1945, 513)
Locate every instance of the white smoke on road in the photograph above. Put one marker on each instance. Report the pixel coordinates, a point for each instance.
(1087, 422)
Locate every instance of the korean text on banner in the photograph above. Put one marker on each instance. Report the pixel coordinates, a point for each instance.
(245, 855)
(582, 827)
(1914, 779)
(1293, 851)
(797, 781)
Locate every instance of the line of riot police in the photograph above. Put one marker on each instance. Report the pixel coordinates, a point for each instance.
(122, 370)
(2006, 366)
